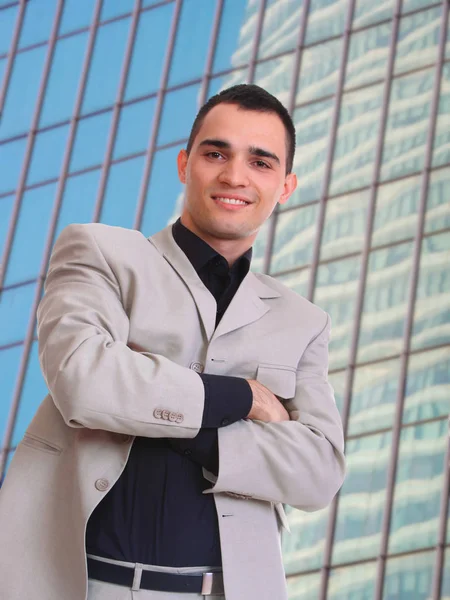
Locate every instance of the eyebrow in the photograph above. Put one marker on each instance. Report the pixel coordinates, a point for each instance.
(253, 150)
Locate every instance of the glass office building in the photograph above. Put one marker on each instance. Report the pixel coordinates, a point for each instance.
(97, 98)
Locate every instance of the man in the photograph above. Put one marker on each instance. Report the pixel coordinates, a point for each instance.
(188, 397)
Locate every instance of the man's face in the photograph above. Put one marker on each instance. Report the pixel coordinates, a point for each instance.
(235, 173)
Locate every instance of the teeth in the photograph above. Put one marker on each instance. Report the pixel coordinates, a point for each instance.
(231, 201)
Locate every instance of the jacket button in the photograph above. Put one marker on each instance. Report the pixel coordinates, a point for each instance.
(187, 452)
(102, 485)
(165, 415)
(225, 422)
(173, 417)
(180, 418)
(157, 413)
(197, 367)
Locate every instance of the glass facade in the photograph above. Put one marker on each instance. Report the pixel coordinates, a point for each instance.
(96, 99)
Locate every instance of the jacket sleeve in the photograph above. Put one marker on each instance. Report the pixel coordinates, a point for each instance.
(298, 462)
(95, 380)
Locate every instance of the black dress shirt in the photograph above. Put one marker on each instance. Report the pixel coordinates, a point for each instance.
(156, 513)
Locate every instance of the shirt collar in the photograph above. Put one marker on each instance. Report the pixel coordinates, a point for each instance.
(198, 251)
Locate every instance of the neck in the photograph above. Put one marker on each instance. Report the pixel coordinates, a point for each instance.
(231, 250)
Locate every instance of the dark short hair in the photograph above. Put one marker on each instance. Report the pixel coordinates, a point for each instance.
(249, 97)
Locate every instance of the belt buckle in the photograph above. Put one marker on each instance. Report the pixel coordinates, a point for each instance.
(212, 584)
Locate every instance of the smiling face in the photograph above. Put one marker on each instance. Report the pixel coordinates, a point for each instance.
(235, 174)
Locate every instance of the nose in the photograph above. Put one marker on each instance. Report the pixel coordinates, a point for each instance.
(234, 173)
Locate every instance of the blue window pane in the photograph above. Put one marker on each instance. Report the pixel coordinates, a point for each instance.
(190, 52)
(165, 192)
(368, 55)
(90, 141)
(221, 83)
(38, 22)
(76, 14)
(11, 158)
(2, 68)
(356, 582)
(33, 392)
(152, 36)
(6, 205)
(319, 71)
(326, 19)
(418, 487)
(438, 207)
(418, 40)
(427, 385)
(368, 12)
(275, 76)
(313, 126)
(15, 312)
(134, 127)
(411, 577)
(180, 108)
(281, 27)
(441, 150)
(122, 191)
(7, 23)
(22, 92)
(357, 136)
(112, 8)
(106, 65)
(360, 513)
(407, 124)
(65, 73)
(236, 35)
(48, 154)
(31, 234)
(432, 310)
(383, 320)
(9, 367)
(78, 200)
(294, 238)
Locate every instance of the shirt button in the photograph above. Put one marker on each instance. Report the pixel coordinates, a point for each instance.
(187, 452)
(197, 367)
(102, 485)
(225, 422)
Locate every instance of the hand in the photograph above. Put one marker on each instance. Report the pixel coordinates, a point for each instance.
(266, 406)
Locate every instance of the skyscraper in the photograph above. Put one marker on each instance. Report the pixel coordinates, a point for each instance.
(96, 99)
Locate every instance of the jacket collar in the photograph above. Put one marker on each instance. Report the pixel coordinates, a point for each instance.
(246, 307)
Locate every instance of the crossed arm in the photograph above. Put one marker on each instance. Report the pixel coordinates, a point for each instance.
(296, 451)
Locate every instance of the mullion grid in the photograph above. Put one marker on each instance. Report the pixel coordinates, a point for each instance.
(162, 91)
(291, 106)
(53, 223)
(12, 54)
(409, 321)
(116, 113)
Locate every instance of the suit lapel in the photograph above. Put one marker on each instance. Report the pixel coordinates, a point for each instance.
(206, 304)
(246, 307)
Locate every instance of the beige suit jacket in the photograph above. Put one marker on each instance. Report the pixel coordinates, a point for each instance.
(107, 287)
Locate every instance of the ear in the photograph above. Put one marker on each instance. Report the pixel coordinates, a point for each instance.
(289, 187)
(182, 161)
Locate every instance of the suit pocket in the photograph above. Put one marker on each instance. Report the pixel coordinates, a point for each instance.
(280, 380)
(38, 443)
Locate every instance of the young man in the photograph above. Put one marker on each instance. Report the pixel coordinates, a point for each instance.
(188, 397)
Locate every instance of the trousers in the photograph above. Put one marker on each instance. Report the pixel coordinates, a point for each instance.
(99, 590)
